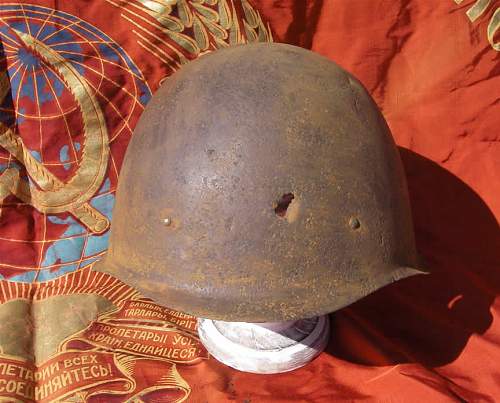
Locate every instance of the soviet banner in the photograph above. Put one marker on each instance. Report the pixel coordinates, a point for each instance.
(73, 82)
(67, 337)
(75, 76)
(74, 79)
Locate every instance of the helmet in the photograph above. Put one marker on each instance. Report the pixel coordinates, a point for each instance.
(261, 184)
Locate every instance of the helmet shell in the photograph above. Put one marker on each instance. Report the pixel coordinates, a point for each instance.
(261, 184)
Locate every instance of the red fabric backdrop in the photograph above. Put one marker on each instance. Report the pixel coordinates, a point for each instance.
(433, 68)
(436, 76)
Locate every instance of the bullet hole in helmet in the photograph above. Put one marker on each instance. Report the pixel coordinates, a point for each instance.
(283, 203)
(354, 223)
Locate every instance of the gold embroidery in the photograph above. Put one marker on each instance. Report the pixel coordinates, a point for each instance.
(55, 196)
(493, 27)
(476, 11)
(197, 26)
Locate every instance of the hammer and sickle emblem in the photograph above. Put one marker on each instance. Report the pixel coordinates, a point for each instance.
(52, 195)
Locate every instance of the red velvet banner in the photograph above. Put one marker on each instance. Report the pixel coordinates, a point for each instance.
(74, 78)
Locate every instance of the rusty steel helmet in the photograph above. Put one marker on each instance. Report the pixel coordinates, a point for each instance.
(261, 184)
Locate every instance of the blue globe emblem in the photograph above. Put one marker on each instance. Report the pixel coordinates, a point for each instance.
(53, 62)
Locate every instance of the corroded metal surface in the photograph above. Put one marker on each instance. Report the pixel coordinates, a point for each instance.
(261, 184)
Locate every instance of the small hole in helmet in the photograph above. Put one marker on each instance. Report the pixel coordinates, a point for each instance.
(354, 223)
(283, 203)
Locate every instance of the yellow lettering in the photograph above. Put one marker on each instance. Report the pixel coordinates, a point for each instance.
(39, 393)
(54, 368)
(11, 386)
(86, 373)
(30, 391)
(94, 371)
(177, 337)
(20, 388)
(104, 371)
(29, 375)
(128, 345)
(11, 370)
(56, 383)
(75, 374)
(46, 373)
(66, 378)
(48, 386)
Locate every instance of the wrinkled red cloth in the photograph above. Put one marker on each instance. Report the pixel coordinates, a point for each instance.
(436, 76)
(433, 68)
